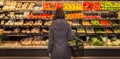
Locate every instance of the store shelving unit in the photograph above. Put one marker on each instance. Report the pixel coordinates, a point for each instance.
(43, 29)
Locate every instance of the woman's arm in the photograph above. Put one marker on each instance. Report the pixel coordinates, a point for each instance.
(70, 34)
(50, 43)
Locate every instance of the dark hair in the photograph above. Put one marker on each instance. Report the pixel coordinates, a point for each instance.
(59, 14)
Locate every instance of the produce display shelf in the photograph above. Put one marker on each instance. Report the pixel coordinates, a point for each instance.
(74, 19)
(21, 18)
(23, 47)
(21, 34)
(17, 35)
(114, 18)
(63, 10)
(90, 18)
(83, 34)
(102, 47)
(21, 25)
(46, 19)
(98, 10)
(98, 18)
(75, 26)
(29, 18)
(15, 10)
(95, 18)
(46, 47)
(98, 26)
(46, 26)
(66, 19)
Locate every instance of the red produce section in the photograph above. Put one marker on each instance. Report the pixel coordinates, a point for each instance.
(95, 16)
(41, 16)
(105, 23)
(51, 6)
(91, 5)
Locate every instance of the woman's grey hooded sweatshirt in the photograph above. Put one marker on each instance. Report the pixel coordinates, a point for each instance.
(60, 34)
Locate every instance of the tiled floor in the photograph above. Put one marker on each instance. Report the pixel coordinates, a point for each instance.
(48, 58)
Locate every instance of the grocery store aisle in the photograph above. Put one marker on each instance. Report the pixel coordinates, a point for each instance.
(48, 58)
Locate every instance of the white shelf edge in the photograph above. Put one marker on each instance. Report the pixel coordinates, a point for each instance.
(101, 47)
(46, 47)
(23, 47)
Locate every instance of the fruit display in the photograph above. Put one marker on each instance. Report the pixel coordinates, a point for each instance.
(99, 30)
(31, 19)
(19, 6)
(94, 16)
(25, 31)
(72, 42)
(74, 31)
(14, 15)
(13, 5)
(96, 41)
(19, 22)
(44, 43)
(114, 41)
(102, 41)
(10, 43)
(16, 30)
(26, 41)
(70, 23)
(1, 31)
(28, 23)
(1, 3)
(107, 30)
(51, 6)
(31, 6)
(35, 41)
(21, 30)
(105, 15)
(74, 15)
(95, 22)
(72, 6)
(86, 23)
(113, 14)
(41, 16)
(45, 31)
(2, 15)
(29, 41)
(7, 31)
(35, 30)
(47, 23)
(9, 22)
(75, 24)
(105, 23)
(118, 14)
(116, 30)
(81, 30)
(114, 23)
(10, 5)
(89, 5)
(108, 5)
(38, 22)
(91, 15)
(90, 30)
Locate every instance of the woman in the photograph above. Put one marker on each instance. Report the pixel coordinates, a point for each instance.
(60, 34)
